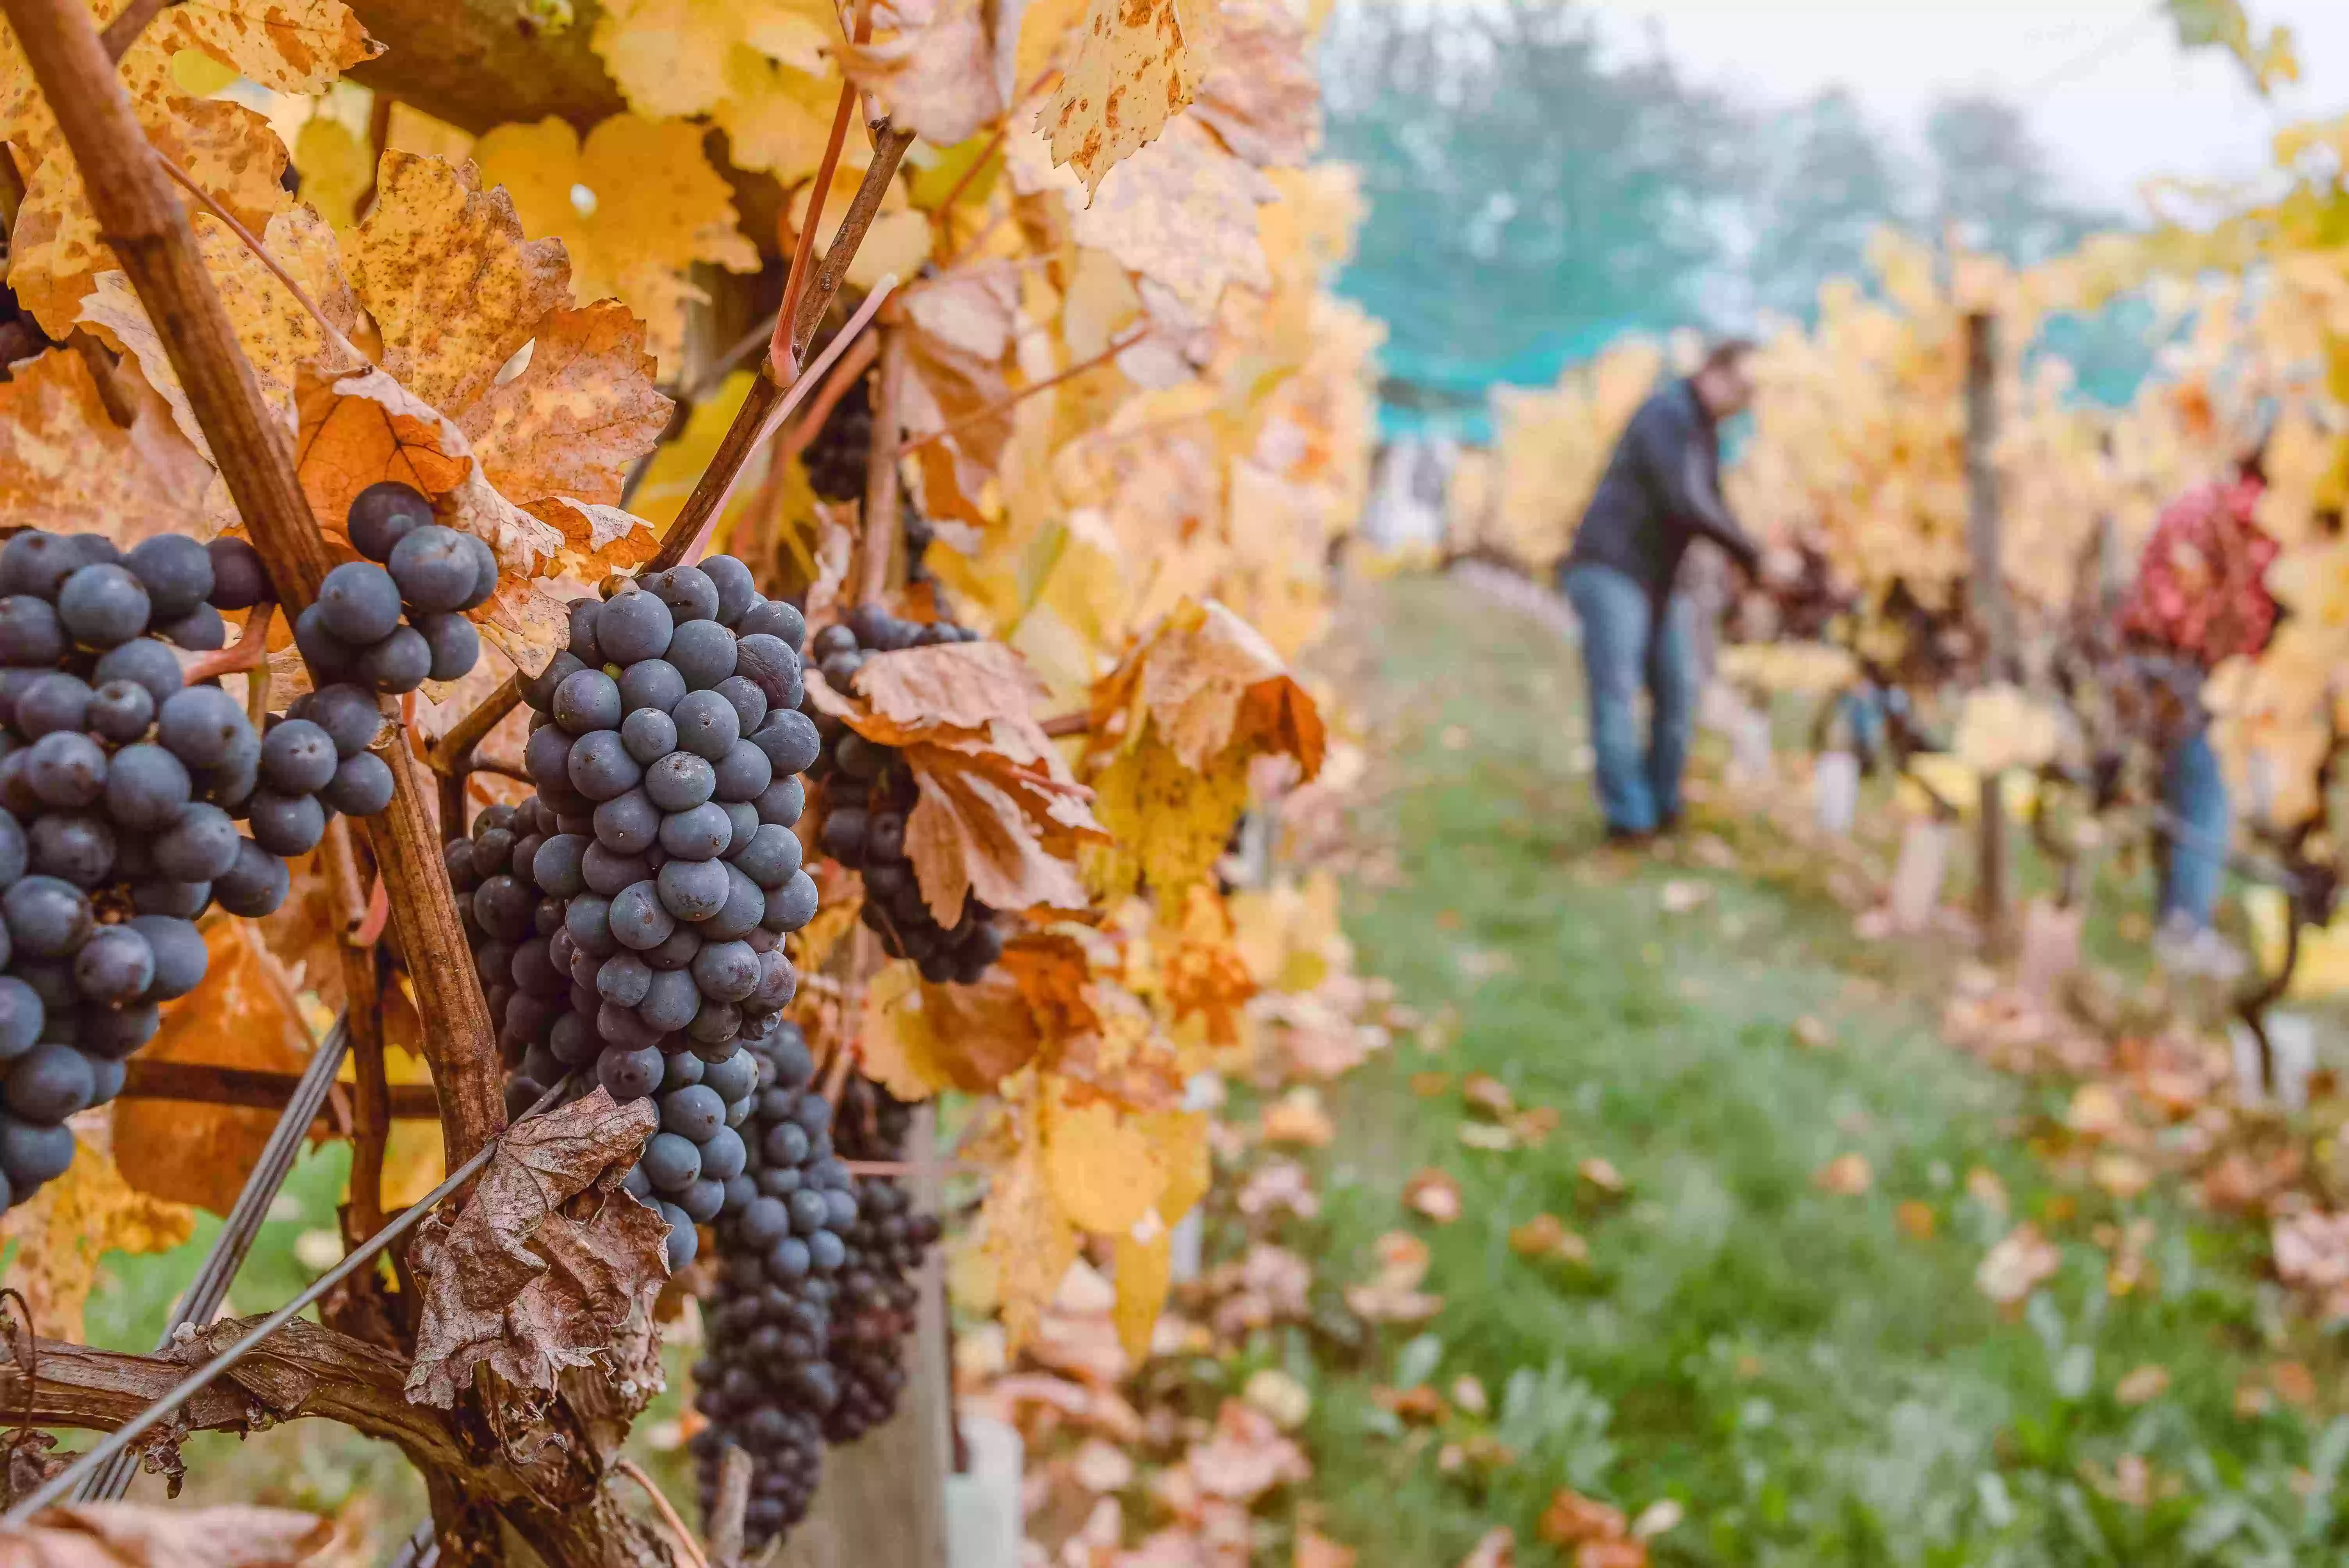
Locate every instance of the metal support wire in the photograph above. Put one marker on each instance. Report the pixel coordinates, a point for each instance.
(205, 1293)
(420, 1549)
(195, 1382)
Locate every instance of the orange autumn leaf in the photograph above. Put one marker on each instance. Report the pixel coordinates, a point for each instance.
(1572, 1519)
(243, 1015)
(65, 466)
(578, 416)
(1433, 1193)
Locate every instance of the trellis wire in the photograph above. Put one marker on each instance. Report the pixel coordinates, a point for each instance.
(420, 1549)
(195, 1382)
(205, 1293)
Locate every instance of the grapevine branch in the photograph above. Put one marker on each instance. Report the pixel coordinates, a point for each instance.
(201, 1083)
(149, 229)
(743, 437)
(879, 541)
(783, 351)
(250, 649)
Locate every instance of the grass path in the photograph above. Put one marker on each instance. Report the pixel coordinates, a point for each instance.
(1811, 1376)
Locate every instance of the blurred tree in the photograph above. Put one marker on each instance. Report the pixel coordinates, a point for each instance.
(1834, 181)
(1993, 181)
(1531, 197)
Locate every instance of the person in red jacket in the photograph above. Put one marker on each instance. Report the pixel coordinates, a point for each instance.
(2201, 597)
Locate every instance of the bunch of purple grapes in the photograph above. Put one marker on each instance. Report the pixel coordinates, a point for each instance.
(628, 920)
(880, 1285)
(766, 1383)
(395, 619)
(869, 792)
(122, 788)
(836, 460)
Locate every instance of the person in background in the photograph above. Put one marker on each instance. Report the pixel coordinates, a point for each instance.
(2201, 597)
(1660, 492)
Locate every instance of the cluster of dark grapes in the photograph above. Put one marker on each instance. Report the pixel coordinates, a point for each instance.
(628, 920)
(766, 1382)
(395, 620)
(122, 790)
(880, 1288)
(835, 458)
(869, 791)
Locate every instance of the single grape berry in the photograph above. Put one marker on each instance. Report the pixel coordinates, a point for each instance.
(382, 515)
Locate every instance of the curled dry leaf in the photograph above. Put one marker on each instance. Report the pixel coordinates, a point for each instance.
(1392, 1294)
(2143, 1385)
(948, 385)
(1246, 1456)
(548, 1260)
(138, 1535)
(1135, 65)
(1547, 1236)
(1297, 1118)
(1000, 815)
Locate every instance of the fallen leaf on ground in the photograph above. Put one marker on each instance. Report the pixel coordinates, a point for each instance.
(1546, 1236)
(1488, 1094)
(1468, 1393)
(2147, 1383)
(140, 1535)
(548, 1259)
(2293, 1383)
(1279, 1396)
(1984, 1188)
(2121, 1175)
(1315, 1550)
(1497, 1549)
(1916, 1218)
(1812, 1033)
(1572, 1519)
(1658, 1518)
(1845, 1175)
(1681, 894)
(1433, 1193)
(1297, 1118)
(1602, 1173)
(1421, 1405)
(1245, 1457)
(2022, 1260)
(1393, 1295)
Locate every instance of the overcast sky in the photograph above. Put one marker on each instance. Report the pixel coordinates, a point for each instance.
(2103, 80)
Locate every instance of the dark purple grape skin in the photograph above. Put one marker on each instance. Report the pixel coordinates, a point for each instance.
(239, 579)
(383, 514)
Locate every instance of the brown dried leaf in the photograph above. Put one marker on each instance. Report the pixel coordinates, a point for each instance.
(937, 76)
(919, 1038)
(1433, 1193)
(1497, 1548)
(1261, 97)
(579, 415)
(138, 1535)
(1136, 64)
(244, 1014)
(971, 831)
(65, 465)
(548, 1259)
(444, 269)
(973, 309)
(944, 385)
(1572, 1519)
(964, 685)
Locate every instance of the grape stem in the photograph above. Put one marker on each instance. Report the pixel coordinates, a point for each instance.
(250, 648)
(749, 426)
(1063, 725)
(691, 1548)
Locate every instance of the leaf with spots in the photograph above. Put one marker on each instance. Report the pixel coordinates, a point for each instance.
(1134, 65)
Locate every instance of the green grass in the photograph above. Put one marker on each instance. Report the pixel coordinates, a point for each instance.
(1810, 1383)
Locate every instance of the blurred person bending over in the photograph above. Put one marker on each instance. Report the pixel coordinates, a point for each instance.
(1661, 491)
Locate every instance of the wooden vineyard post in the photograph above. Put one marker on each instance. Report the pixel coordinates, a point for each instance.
(883, 1499)
(1992, 898)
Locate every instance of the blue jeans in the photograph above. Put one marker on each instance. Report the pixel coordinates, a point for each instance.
(1627, 645)
(2194, 788)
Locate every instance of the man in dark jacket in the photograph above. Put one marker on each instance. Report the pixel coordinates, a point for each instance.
(1661, 491)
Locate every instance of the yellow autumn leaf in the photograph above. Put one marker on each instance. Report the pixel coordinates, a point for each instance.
(760, 69)
(73, 1222)
(66, 465)
(636, 204)
(444, 268)
(1028, 1243)
(1168, 824)
(1135, 64)
(336, 168)
(1144, 1270)
(1106, 1172)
